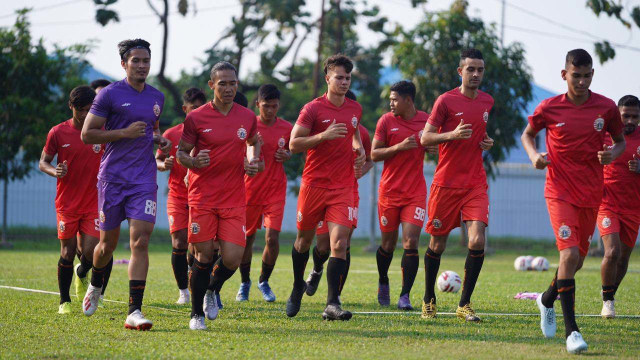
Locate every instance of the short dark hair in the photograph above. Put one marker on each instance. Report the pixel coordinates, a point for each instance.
(338, 60)
(192, 95)
(470, 53)
(222, 65)
(81, 96)
(351, 95)
(578, 57)
(240, 99)
(99, 83)
(628, 100)
(125, 46)
(268, 92)
(405, 88)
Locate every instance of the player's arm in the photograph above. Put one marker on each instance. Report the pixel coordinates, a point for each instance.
(252, 164)
(528, 138)
(94, 133)
(164, 163)
(359, 148)
(163, 143)
(380, 151)
(45, 166)
(610, 153)
(430, 135)
(192, 162)
(368, 164)
(301, 141)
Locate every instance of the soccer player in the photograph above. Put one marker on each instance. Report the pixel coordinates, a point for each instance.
(402, 195)
(125, 116)
(219, 133)
(76, 194)
(177, 207)
(458, 124)
(618, 216)
(99, 84)
(266, 192)
(576, 123)
(326, 130)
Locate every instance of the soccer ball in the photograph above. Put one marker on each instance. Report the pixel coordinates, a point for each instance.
(540, 264)
(529, 260)
(522, 263)
(449, 281)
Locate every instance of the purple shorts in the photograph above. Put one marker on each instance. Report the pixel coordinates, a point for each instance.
(117, 202)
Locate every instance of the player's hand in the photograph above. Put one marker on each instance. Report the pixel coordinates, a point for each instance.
(605, 156)
(61, 169)
(540, 161)
(432, 149)
(486, 143)
(251, 167)
(164, 143)
(634, 164)
(462, 131)
(408, 143)
(168, 163)
(202, 159)
(334, 131)
(361, 157)
(136, 130)
(282, 155)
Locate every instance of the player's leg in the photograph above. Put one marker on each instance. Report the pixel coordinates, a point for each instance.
(200, 276)
(299, 257)
(320, 255)
(608, 269)
(336, 268)
(102, 257)
(139, 235)
(623, 262)
(269, 257)
(437, 245)
(389, 220)
(179, 263)
(86, 245)
(346, 274)
(65, 273)
(245, 269)
(472, 267)
(410, 262)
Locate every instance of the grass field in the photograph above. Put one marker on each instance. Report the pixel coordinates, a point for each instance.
(31, 328)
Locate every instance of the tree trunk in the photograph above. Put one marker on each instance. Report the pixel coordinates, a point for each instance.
(5, 199)
(339, 30)
(166, 83)
(240, 38)
(316, 68)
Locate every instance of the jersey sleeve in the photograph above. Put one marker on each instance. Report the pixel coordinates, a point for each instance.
(537, 120)
(381, 130)
(614, 123)
(307, 117)
(51, 146)
(189, 131)
(439, 113)
(101, 104)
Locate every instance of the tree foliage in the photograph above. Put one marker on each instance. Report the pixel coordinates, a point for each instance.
(615, 9)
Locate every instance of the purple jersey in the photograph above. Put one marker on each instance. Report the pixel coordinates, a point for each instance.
(128, 161)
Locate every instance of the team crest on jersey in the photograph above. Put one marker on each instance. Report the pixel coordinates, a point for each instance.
(156, 109)
(299, 217)
(485, 116)
(606, 222)
(354, 122)
(61, 226)
(195, 228)
(96, 148)
(598, 124)
(242, 133)
(437, 224)
(281, 143)
(564, 232)
(171, 220)
(102, 217)
(383, 220)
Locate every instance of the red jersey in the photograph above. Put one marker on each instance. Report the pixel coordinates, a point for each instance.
(575, 134)
(366, 143)
(621, 186)
(221, 184)
(177, 188)
(76, 192)
(460, 161)
(270, 185)
(402, 176)
(329, 165)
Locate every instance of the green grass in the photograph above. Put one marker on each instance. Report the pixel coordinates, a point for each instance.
(31, 328)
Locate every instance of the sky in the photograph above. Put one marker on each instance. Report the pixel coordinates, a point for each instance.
(546, 28)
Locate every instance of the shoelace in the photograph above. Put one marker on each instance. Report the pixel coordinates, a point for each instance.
(550, 317)
(211, 301)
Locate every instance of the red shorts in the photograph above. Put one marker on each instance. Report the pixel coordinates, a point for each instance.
(270, 214)
(323, 228)
(69, 225)
(449, 206)
(572, 225)
(331, 205)
(217, 224)
(626, 225)
(392, 212)
(178, 212)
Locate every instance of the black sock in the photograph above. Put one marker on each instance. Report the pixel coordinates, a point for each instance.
(85, 266)
(472, 267)
(190, 259)
(299, 264)
(549, 296)
(335, 272)
(265, 274)
(608, 292)
(615, 289)
(245, 269)
(97, 276)
(383, 259)
(107, 275)
(409, 264)
(319, 259)
(431, 267)
(200, 275)
(136, 293)
(65, 274)
(219, 275)
(567, 291)
(179, 265)
(346, 270)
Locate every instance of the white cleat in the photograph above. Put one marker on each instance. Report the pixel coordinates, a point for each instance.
(575, 343)
(197, 323)
(210, 305)
(137, 321)
(608, 309)
(547, 319)
(91, 300)
(184, 297)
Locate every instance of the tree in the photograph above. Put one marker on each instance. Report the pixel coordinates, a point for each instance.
(429, 56)
(34, 90)
(612, 8)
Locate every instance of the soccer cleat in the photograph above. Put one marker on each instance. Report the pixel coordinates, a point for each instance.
(575, 343)
(197, 323)
(404, 303)
(219, 301)
(294, 301)
(137, 321)
(383, 294)
(81, 284)
(243, 292)
(101, 301)
(608, 309)
(547, 319)
(210, 305)
(267, 293)
(184, 297)
(65, 308)
(466, 313)
(335, 312)
(91, 299)
(428, 310)
(313, 281)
